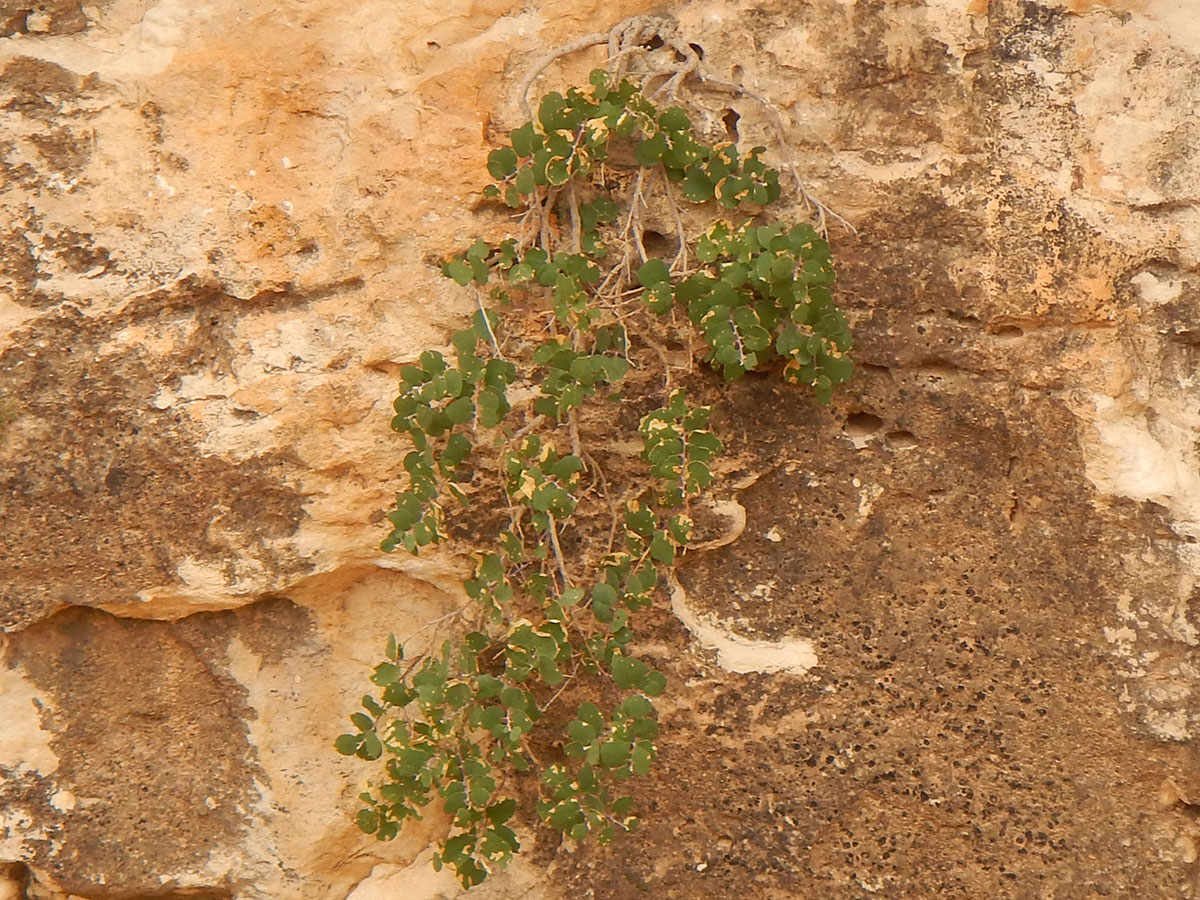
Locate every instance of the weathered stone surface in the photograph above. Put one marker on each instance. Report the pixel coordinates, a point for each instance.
(964, 594)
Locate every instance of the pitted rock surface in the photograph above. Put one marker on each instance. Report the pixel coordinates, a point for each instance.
(218, 234)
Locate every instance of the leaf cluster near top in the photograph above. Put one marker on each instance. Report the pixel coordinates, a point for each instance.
(573, 132)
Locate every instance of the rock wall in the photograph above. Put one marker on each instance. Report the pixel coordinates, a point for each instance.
(970, 585)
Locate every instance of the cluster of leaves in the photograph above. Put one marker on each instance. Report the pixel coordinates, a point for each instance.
(573, 132)
(550, 631)
(762, 290)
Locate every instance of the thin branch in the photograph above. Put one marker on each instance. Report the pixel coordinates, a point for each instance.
(433, 622)
(573, 429)
(529, 426)
(680, 261)
(488, 325)
(576, 227)
(558, 554)
(588, 40)
(633, 222)
(810, 202)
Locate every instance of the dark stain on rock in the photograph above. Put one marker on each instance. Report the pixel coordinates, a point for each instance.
(51, 146)
(18, 265)
(166, 775)
(961, 736)
(29, 792)
(103, 493)
(1025, 29)
(63, 150)
(44, 18)
(271, 628)
(78, 252)
(39, 89)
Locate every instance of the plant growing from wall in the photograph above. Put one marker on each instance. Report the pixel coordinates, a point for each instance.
(510, 455)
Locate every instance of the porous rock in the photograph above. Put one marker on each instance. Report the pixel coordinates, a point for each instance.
(216, 227)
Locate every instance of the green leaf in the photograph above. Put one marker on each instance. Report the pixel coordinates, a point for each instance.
(837, 368)
(367, 821)
(501, 812)
(628, 672)
(347, 744)
(464, 341)
(698, 188)
(643, 756)
(674, 119)
(565, 816)
(654, 683)
(604, 595)
(550, 111)
(556, 172)
(590, 713)
(491, 409)
(385, 674)
(823, 390)
(614, 367)
(658, 297)
(488, 687)
(458, 695)
(614, 753)
(653, 271)
(458, 447)
(371, 747)
(636, 706)
(525, 140)
(459, 271)
(650, 151)
(502, 163)
(600, 81)
(407, 513)
(526, 182)
(460, 410)
(662, 549)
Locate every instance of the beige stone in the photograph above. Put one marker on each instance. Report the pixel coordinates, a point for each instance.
(952, 651)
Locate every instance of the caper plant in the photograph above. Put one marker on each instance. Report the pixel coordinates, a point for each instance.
(543, 684)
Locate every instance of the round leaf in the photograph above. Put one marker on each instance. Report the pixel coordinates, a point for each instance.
(502, 163)
(653, 271)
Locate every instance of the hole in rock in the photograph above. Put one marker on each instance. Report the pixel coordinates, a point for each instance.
(862, 424)
(433, 45)
(654, 43)
(658, 244)
(735, 74)
(730, 117)
(1008, 331)
(872, 367)
(699, 50)
(902, 440)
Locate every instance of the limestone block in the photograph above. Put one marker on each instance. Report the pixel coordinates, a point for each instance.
(952, 651)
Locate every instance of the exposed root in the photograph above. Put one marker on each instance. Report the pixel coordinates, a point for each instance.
(634, 49)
